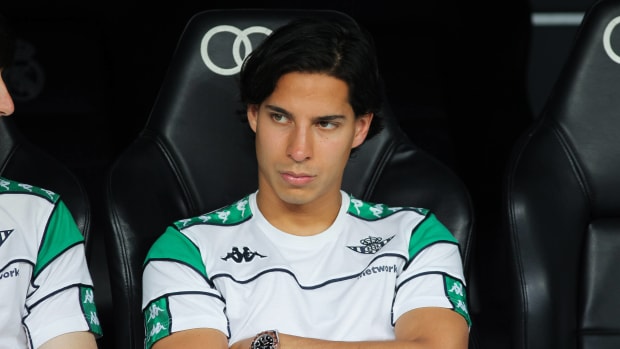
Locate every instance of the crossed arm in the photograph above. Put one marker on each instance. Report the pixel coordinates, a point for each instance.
(72, 340)
(424, 328)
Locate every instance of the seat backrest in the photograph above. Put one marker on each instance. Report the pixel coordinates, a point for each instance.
(196, 154)
(22, 161)
(562, 197)
(25, 162)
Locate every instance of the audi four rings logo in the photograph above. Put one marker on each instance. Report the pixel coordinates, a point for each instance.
(607, 39)
(241, 38)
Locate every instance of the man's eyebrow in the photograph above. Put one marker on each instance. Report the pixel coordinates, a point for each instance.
(330, 117)
(283, 111)
(278, 109)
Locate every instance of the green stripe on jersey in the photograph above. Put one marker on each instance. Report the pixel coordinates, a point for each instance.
(60, 233)
(458, 297)
(430, 231)
(9, 186)
(373, 211)
(90, 310)
(173, 245)
(230, 215)
(156, 321)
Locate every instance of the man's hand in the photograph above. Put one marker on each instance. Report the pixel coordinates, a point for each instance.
(424, 328)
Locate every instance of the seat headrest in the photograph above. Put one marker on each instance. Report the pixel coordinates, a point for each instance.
(198, 105)
(584, 105)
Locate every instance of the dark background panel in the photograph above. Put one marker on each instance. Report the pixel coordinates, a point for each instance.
(93, 71)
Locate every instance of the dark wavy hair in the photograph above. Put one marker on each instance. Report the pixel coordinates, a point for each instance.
(339, 48)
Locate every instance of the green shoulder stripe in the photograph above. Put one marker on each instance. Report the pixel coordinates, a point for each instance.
(371, 211)
(9, 186)
(430, 231)
(60, 234)
(173, 245)
(229, 215)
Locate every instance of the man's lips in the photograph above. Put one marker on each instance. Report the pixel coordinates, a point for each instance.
(297, 179)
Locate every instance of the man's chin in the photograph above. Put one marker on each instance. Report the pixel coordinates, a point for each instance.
(296, 196)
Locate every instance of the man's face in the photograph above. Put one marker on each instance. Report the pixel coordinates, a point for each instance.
(305, 131)
(6, 102)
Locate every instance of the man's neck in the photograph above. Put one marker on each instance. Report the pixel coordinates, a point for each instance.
(303, 220)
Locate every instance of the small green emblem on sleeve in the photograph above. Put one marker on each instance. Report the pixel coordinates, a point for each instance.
(90, 311)
(156, 321)
(458, 297)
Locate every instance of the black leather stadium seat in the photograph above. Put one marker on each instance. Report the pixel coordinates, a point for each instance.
(562, 201)
(22, 161)
(196, 154)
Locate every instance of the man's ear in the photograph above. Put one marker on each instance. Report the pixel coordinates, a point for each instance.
(252, 113)
(362, 125)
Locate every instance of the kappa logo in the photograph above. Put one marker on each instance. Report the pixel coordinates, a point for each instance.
(6, 185)
(89, 308)
(457, 295)
(4, 234)
(371, 245)
(29, 188)
(157, 320)
(239, 257)
(241, 40)
(229, 215)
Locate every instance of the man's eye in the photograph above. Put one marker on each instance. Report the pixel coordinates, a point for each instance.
(279, 117)
(326, 124)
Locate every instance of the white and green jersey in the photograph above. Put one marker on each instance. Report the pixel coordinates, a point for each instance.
(45, 285)
(231, 270)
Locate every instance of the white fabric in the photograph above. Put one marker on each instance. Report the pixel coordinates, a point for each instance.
(314, 286)
(34, 309)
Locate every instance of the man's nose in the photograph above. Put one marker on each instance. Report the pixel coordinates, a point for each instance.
(300, 144)
(6, 102)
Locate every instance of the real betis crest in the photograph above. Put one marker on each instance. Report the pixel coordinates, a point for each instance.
(371, 244)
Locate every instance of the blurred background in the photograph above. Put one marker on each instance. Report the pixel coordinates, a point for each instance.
(465, 78)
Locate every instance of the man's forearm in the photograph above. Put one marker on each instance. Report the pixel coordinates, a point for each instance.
(295, 342)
